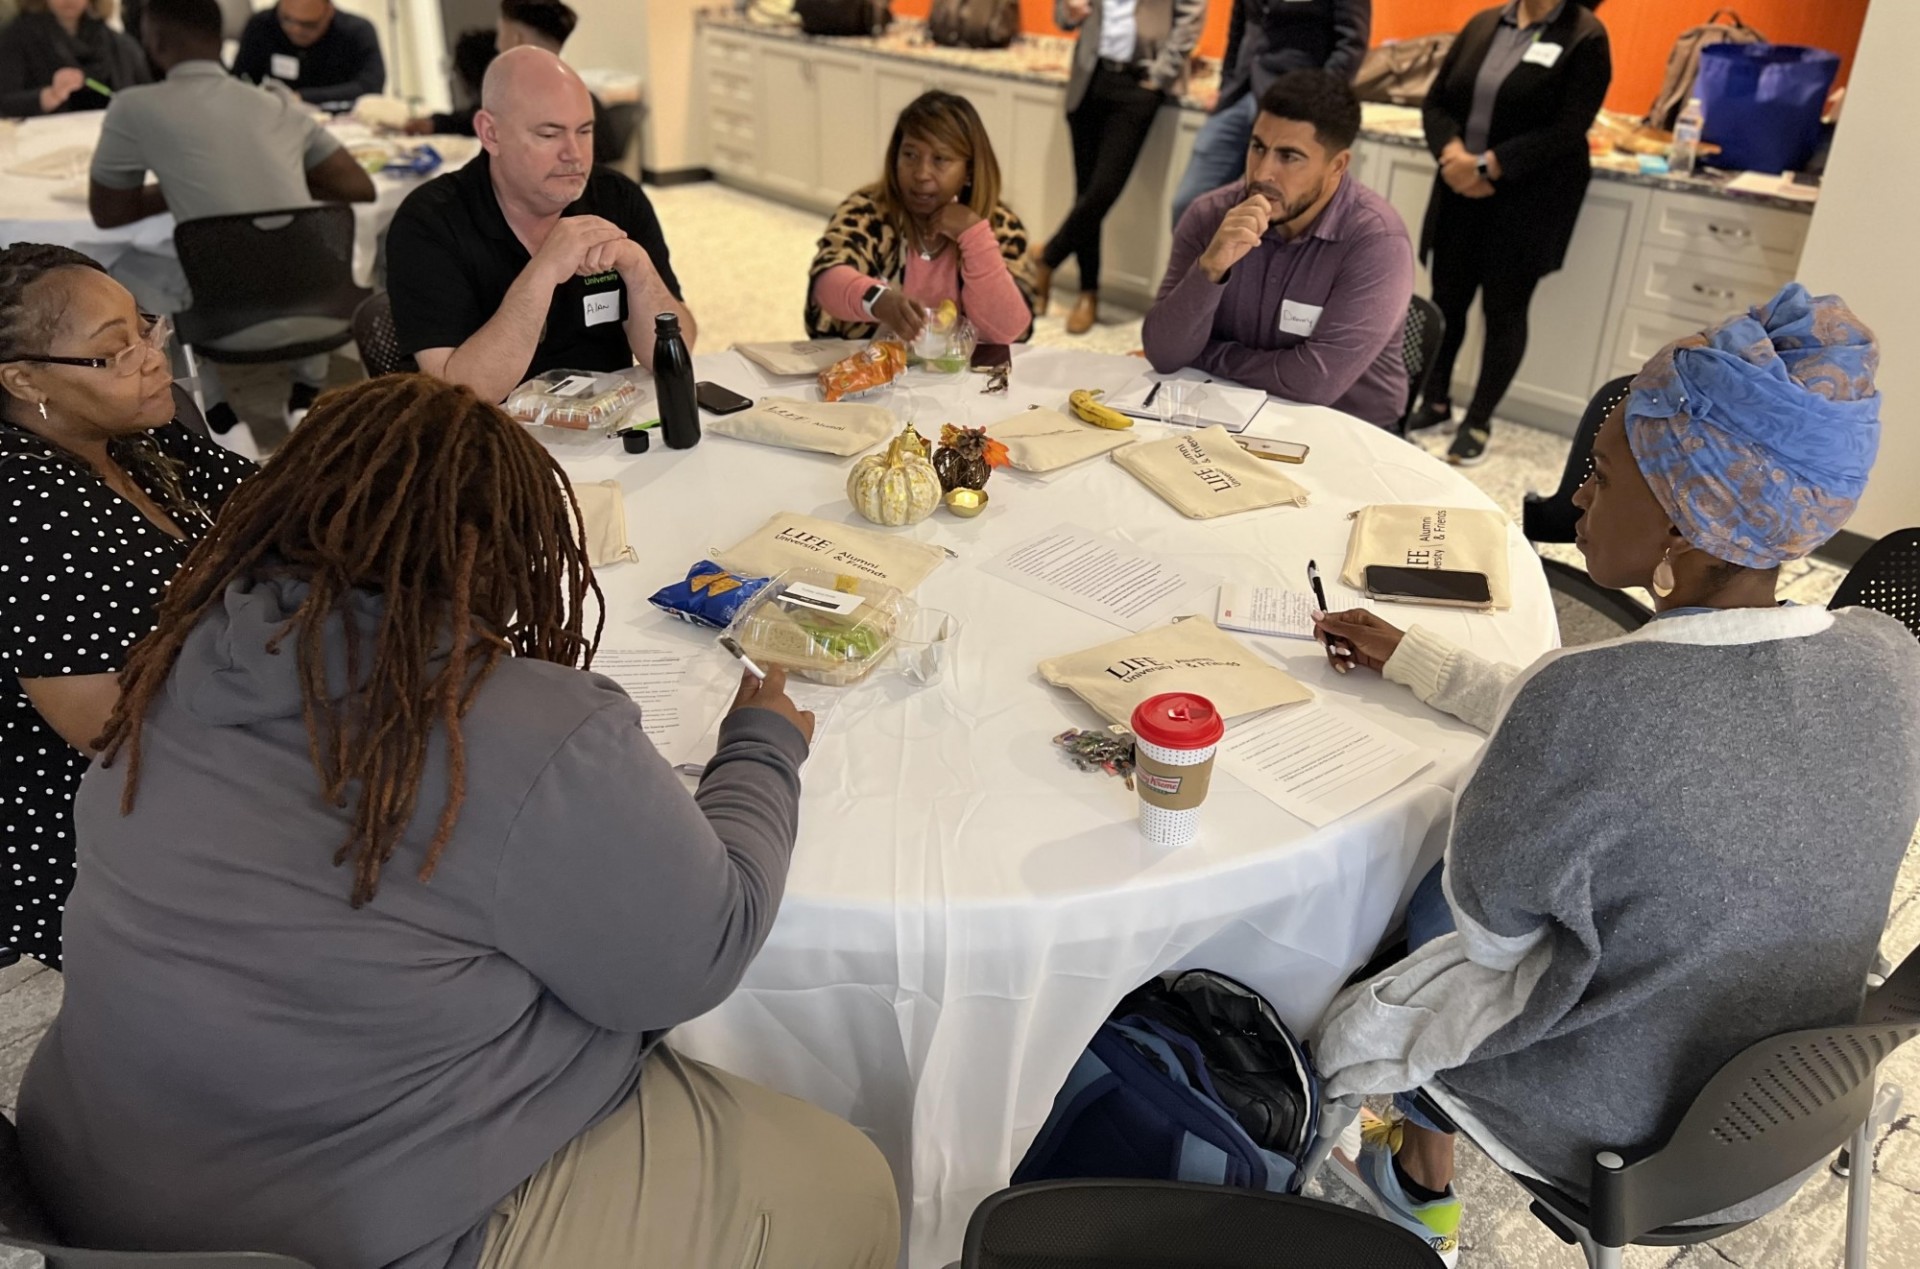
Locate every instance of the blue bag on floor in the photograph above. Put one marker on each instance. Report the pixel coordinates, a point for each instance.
(1763, 103)
(1193, 1078)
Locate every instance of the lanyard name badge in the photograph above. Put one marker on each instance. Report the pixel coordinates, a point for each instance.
(284, 66)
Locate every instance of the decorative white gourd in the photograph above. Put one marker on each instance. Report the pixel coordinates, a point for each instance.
(898, 485)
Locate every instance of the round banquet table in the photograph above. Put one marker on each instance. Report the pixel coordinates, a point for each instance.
(54, 209)
(964, 906)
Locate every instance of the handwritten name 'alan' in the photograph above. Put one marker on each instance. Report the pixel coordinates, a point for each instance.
(1133, 669)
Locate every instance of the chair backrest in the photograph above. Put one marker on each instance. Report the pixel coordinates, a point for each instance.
(1426, 327)
(1886, 579)
(186, 412)
(379, 343)
(1772, 1112)
(249, 269)
(1552, 518)
(1172, 1225)
(20, 1214)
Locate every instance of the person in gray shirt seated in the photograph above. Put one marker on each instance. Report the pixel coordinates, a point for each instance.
(216, 147)
(386, 903)
(1678, 843)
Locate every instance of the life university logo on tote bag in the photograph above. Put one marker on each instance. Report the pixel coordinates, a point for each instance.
(1207, 474)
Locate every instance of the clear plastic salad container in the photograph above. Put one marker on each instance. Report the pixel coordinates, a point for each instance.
(822, 626)
(578, 400)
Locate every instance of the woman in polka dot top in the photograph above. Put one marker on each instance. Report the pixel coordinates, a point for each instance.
(101, 495)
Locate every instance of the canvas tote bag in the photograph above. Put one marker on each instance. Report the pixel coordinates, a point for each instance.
(1041, 440)
(791, 540)
(844, 428)
(1430, 537)
(1204, 474)
(603, 513)
(798, 357)
(1192, 655)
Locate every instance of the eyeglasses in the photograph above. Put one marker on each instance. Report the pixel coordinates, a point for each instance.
(304, 24)
(129, 360)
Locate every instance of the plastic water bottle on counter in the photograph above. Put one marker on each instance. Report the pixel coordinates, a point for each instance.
(1685, 151)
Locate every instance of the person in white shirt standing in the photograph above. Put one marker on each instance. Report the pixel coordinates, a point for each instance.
(1130, 60)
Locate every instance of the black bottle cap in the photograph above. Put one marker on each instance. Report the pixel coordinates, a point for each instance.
(635, 440)
(666, 324)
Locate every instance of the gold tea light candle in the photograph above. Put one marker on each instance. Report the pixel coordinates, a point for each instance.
(966, 503)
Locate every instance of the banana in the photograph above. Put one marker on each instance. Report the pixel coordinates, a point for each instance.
(1086, 407)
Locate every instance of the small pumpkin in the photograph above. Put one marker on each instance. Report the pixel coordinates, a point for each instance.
(897, 485)
(966, 457)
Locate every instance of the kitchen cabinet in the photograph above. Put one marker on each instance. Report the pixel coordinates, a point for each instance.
(852, 140)
(790, 133)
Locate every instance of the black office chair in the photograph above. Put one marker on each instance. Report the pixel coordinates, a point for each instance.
(1110, 1224)
(1551, 518)
(267, 287)
(1426, 327)
(24, 1226)
(374, 336)
(186, 412)
(1774, 1111)
(1886, 579)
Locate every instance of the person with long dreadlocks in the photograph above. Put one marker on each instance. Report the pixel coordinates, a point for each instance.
(386, 904)
(101, 494)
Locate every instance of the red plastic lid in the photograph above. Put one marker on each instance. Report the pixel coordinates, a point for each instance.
(1178, 720)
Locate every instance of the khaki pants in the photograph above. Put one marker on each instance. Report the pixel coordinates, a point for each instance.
(700, 1169)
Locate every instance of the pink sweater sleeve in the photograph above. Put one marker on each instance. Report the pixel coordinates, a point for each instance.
(994, 305)
(839, 291)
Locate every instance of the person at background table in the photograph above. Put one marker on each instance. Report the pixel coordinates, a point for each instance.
(101, 496)
(412, 940)
(1625, 901)
(543, 24)
(54, 48)
(1294, 279)
(1130, 59)
(326, 56)
(931, 229)
(529, 258)
(1267, 39)
(1507, 120)
(215, 147)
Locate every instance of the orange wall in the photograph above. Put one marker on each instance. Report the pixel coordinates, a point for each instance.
(1641, 30)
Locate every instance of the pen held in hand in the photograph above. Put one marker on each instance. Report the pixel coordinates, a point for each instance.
(732, 645)
(98, 87)
(1320, 598)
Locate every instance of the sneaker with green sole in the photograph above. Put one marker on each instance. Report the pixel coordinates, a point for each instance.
(1371, 1176)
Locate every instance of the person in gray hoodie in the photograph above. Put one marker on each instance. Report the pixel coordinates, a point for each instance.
(386, 904)
(1677, 843)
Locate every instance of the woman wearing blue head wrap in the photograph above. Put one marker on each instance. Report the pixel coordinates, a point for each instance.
(1625, 900)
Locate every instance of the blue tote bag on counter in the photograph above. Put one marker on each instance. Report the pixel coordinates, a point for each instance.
(1763, 103)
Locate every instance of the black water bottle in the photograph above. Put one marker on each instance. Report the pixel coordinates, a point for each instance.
(673, 375)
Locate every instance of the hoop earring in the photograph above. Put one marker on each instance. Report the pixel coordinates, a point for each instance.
(1663, 579)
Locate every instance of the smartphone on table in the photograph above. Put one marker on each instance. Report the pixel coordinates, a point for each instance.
(1273, 451)
(715, 399)
(1442, 587)
(988, 358)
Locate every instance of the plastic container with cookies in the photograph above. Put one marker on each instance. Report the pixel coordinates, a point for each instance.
(822, 626)
(578, 400)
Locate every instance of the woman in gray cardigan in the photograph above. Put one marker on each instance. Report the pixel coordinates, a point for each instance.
(1675, 844)
(57, 55)
(386, 904)
(1130, 59)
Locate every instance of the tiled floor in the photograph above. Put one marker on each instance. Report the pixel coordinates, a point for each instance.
(743, 263)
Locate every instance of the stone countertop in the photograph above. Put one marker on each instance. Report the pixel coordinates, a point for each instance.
(1044, 59)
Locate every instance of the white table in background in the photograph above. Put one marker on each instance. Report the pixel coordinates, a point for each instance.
(43, 209)
(964, 907)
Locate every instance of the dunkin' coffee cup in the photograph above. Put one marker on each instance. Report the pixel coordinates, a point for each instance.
(1175, 736)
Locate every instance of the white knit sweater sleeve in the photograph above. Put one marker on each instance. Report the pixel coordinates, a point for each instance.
(1450, 678)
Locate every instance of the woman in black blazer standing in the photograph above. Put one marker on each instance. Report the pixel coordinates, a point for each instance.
(1507, 120)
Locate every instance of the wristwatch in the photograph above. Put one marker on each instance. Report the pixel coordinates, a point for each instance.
(872, 297)
(1480, 166)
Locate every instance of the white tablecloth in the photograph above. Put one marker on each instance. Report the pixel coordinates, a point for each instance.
(964, 907)
(43, 209)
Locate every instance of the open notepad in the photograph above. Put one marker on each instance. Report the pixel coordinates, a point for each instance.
(1188, 398)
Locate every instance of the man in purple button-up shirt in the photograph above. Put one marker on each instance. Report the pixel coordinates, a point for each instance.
(1297, 279)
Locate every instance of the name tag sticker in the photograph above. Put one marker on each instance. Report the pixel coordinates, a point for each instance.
(1299, 319)
(602, 308)
(1542, 54)
(284, 66)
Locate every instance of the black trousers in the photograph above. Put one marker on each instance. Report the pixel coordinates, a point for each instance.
(1108, 127)
(1466, 259)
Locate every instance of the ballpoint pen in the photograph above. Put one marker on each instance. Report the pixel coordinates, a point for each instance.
(97, 86)
(1320, 597)
(733, 645)
(1152, 392)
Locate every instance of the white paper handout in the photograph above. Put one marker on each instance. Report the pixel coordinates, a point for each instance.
(653, 678)
(1319, 761)
(1104, 578)
(1188, 398)
(1265, 610)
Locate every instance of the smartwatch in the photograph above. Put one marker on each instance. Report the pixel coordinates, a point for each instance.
(872, 297)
